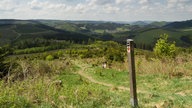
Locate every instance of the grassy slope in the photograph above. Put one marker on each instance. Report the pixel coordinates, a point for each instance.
(153, 89)
(43, 91)
(160, 84)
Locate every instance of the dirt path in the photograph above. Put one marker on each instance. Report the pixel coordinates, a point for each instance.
(91, 79)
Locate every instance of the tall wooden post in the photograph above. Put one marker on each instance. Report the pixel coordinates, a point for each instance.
(131, 63)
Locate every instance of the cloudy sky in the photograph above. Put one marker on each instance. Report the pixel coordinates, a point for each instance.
(107, 10)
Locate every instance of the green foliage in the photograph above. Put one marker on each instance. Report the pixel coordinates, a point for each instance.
(49, 57)
(60, 53)
(184, 50)
(4, 52)
(11, 101)
(163, 48)
(60, 84)
(113, 51)
(42, 47)
(110, 50)
(40, 42)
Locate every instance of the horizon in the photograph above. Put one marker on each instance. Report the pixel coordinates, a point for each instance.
(97, 10)
(99, 20)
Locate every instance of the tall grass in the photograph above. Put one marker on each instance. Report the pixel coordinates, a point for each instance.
(180, 66)
(164, 83)
(56, 83)
(49, 84)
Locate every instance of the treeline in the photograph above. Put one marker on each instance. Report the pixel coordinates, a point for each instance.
(36, 45)
(39, 45)
(39, 42)
(101, 26)
(109, 50)
(38, 49)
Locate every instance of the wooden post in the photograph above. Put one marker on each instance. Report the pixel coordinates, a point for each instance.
(131, 63)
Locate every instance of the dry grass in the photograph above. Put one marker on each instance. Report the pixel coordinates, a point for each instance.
(39, 83)
(24, 69)
(180, 66)
(34, 82)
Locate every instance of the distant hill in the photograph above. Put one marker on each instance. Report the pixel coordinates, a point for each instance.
(145, 33)
(146, 36)
(139, 23)
(180, 25)
(16, 30)
(87, 26)
(13, 21)
(159, 23)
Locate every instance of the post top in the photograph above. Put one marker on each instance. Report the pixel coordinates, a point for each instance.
(128, 40)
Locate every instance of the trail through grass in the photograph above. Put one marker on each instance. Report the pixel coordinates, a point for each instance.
(154, 89)
(91, 79)
(75, 83)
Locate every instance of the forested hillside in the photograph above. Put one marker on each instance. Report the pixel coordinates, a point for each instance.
(145, 34)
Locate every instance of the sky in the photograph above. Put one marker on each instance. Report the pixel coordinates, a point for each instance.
(100, 10)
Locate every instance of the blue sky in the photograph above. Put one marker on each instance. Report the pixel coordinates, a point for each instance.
(107, 10)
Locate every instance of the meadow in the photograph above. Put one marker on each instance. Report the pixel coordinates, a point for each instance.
(74, 78)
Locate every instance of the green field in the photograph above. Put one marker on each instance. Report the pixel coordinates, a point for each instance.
(81, 85)
(74, 77)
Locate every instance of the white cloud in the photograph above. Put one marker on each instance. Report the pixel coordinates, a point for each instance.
(143, 1)
(172, 3)
(101, 2)
(97, 9)
(79, 8)
(35, 4)
(111, 9)
(7, 5)
(144, 7)
(122, 1)
(178, 3)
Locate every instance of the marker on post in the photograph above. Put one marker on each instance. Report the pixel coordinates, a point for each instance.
(131, 63)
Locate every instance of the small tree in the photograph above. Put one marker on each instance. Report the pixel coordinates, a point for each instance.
(163, 48)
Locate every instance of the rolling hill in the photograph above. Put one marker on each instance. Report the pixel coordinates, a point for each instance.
(180, 25)
(145, 35)
(16, 30)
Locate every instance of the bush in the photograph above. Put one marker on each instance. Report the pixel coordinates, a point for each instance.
(60, 53)
(4, 52)
(49, 57)
(165, 49)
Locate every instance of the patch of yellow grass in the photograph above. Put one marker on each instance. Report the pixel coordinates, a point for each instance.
(180, 66)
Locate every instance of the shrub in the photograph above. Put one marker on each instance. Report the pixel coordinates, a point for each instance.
(163, 48)
(49, 57)
(60, 53)
(4, 52)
